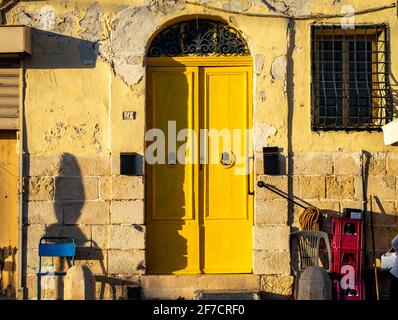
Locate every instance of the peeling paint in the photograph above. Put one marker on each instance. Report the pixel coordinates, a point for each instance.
(127, 44)
(261, 133)
(238, 5)
(93, 23)
(278, 68)
(259, 63)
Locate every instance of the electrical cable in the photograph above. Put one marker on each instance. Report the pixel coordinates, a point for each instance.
(300, 17)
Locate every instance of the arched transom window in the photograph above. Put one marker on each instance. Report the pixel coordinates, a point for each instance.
(199, 37)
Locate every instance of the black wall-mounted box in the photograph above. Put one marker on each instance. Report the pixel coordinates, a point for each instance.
(131, 164)
(271, 160)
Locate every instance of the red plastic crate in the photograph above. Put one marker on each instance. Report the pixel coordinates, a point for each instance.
(356, 293)
(341, 257)
(346, 233)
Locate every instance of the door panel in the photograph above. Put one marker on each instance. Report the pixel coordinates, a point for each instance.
(227, 226)
(173, 231)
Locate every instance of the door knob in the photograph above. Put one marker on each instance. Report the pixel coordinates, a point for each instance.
(227, 159)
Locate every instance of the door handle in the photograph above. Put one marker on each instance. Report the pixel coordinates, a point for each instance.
(250, 178)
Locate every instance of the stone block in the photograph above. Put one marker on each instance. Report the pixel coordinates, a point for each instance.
(271, 237)
(378, 164)
(85, 166)
(340, 187)
(126, 262)
(39, 165)
(126, 237)
(33, 234)
(86, 212)
(277, 182)
(81, 234)
(313, 164)
(271, 212)
(277, 287)
(127, 212)
(312, 187)
(271, 262)
(39, 188)
(105, 188)
(382, 187)
(43, 212)
(99, 236)
(76, 188)
(346, 163)
(96, 260)
(392, 165)
(127, 188)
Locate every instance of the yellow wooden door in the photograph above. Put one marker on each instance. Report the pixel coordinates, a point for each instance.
(171, 189)
(199, 217)
(8, 207)
(227, 204)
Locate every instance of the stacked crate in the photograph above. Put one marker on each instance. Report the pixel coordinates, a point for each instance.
(347, 250)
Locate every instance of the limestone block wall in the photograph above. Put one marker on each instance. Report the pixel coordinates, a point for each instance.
(79, 197)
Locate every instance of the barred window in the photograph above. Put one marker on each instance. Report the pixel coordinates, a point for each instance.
(350, 78)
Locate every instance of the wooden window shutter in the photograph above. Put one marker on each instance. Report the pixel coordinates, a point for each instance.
(10, 74)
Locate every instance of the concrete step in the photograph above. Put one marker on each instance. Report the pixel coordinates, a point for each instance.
(195, 286)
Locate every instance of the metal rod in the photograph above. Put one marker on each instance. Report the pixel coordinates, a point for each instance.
(373, 248)
(262, 184)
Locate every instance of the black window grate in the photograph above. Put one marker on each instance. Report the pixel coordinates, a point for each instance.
(350, 77)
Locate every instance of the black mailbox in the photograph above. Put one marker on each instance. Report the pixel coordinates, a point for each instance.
(271, 160)
(131, 164)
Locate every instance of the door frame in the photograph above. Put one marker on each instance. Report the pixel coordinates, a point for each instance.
(207, 61)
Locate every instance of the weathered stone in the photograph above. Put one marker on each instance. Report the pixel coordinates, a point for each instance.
(277, 287)
(127, 212)
(126, 237)
(86, 212)
(392, 166)
(43, 212)
(347, 163)
(382, 187)
(312, 187)
(313, 164)
(378, 164)
(277, 182)
(40, 188)
(126, 262)
(271, 237)
(36, 165)
(76, 188)
(270, 212)
(271, 262)
(127, 188)
(99, 236)
(96, 260)
(85, 166)
(79, 284)
(340, 187)
(93, 23)
(33, 235)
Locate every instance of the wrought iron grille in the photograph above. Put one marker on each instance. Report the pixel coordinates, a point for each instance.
(350, 77)
(198, 37)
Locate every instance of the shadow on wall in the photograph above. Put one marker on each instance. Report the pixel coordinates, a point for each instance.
(54, 50)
